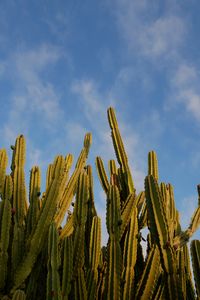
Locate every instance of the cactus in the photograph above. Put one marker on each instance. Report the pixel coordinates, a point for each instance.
(44, 220)
(130, 256)
(53, 279)
(195, 252)
(34, 200)
(94, 257)
(120, 151)
(4, 240)
(147, 284)
(19, 295)
(3, 165)
(41, 256)
(67, 267)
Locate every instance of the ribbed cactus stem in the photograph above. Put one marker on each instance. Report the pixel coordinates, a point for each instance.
(8, 188)
(94, 257)
(53, 279)
(153, 165)
(4, 240)
(20, 203)
(19, 295)
(69, 191)
(45, 218)
(195, 252)
(147, 284)
(67, 267)
(34, 198)
(130, 256)
(102, 174)
(3, 166)
(120, 150)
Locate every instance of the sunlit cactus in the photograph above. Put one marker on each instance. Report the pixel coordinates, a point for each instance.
(50, 241)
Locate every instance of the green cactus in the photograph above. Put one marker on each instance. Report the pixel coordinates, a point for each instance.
(67, 267)
(43, 257)
(71, 185)
(102, 174)
(19, 295)
(53, 279)
(3, 166)
(113, 222)
(8, 188)
(4, 240)
(195, 253)
(153, 165)
(94, 257)
(147, 285)
(47, 212)
(130, 256)
(120, 151)
(34, 199)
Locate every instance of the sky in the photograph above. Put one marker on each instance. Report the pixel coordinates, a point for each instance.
(63, 63)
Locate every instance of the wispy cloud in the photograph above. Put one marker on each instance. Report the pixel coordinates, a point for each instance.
(185, 89)
(150, 34)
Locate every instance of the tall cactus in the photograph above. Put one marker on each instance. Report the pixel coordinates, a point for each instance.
(3, 166)
(45, 218)
(4, 240)
(53, 279)
(120, 151)
(113, 222)
(43, 257)
(195, 252)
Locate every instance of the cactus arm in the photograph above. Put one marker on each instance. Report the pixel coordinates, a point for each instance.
(94, 257)
(113, 215)
(195, 253)
(8, 188)
(68, 228)
(119, 150)
(143, 217)
(195, 222)
(113, 288)
(153, 165)
(160, 232)
(80, 217)
(19, 190)
(19, 295)
(127, 212)
(3, 166)
(102, 174)
(157, 217)
(183, 237)
(45, 218)
(71, 185)
(113, 222)
(67, 267)
(147, 284)
(53, 280)
(130, 256)
(80, 286)
(4, 240)
(49, 175)
(34, 194)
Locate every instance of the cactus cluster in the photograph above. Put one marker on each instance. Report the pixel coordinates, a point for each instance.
(50, 252)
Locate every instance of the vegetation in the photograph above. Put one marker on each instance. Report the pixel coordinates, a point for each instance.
(41, 259)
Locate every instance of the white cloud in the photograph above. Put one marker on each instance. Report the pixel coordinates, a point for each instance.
(185, 89)
(147, 33)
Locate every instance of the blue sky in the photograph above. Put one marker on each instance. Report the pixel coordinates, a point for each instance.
(63, 63)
